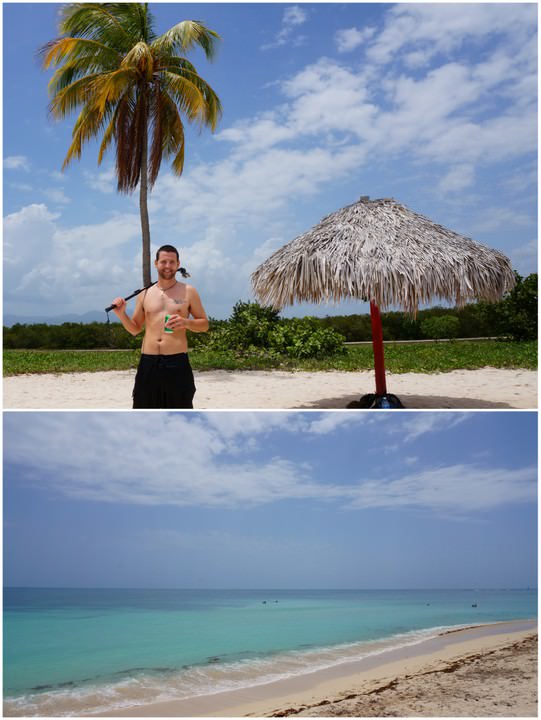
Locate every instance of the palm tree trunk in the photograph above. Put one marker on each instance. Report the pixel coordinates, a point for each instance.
(143, 208)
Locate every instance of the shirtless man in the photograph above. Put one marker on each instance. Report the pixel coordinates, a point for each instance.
(164, 377)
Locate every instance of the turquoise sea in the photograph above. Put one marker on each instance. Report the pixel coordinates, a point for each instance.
(68, 651)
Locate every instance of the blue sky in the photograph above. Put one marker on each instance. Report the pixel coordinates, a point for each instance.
(432, 104)
(255, 500)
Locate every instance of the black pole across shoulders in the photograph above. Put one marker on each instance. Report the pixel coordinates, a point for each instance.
(181, 270)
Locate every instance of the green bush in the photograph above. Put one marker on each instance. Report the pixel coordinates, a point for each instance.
(305, 338)
(253, 329)
(440, 326)
(518, 310)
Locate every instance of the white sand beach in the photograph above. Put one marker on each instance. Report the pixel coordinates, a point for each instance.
(484, 671)
(488, 388)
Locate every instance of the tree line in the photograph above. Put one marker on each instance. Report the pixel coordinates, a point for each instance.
(514, 317)
(252, 326)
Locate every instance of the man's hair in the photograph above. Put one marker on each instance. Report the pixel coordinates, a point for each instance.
(167, 248)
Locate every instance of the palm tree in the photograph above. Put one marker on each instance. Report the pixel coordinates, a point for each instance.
(132, 87)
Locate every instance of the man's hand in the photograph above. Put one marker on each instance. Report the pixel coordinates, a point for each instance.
(119, 306)
(177, 322)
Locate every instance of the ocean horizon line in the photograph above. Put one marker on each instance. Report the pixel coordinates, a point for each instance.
(272, 589)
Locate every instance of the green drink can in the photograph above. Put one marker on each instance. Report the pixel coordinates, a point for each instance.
(166, 329)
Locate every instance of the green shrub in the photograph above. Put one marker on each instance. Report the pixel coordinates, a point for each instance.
(305, 338)
(440, 326)
(519, 309)
(253, 329)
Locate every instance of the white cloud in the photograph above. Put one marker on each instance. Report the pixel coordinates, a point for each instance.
(82, 456)
(524, 257)
(528, 251)
(206, 460)
(26, 234)
(17, 162)
(350, 38)
(493, 218)
(461, 489)
(522, 182)
(418, 424)
(440, 116)
(57, 195)
(248, 192)
(258, 133)
(491, 141)
(293, 16)
(22, 187)
(235, 424)
(331, 421)
(443, 28)
(87, 261)
(458, 178)
(104, 181)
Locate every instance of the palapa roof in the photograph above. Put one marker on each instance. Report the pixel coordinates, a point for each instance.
(380, 250)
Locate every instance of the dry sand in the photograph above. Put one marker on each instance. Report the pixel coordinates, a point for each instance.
(223, 389)
(478, 672)
(502, 682)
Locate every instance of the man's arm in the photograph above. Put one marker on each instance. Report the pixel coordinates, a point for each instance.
(135, 324)
(199, 321)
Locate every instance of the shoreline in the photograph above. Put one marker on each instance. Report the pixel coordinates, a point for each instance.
(485, 388)
(359, 680)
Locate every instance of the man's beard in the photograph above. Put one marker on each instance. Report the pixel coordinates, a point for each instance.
(166, 274)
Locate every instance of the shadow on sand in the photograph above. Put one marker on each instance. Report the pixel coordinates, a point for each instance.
(410, 402)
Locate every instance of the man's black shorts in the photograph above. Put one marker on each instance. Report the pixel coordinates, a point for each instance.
(164, 381)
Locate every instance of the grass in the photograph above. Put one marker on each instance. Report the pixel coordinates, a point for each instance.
(17, 362)
(423, 358)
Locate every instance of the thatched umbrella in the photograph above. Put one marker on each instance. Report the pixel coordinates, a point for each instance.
(382, 252)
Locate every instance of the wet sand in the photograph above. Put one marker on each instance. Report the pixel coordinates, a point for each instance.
(222, 389)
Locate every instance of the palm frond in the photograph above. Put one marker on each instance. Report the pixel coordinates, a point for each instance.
(131, 131)
(123, 122)
(109, 133)
(212, 107)
(146, 22)
(186, 35)
(108, 88)
(167, 135)
(186, 95)
(87, 126)
(140, 57)
(97, 21)
(70, 97)
(173, 138)
(172, 63)
(71, 48)
(66, 75)
(156, 118)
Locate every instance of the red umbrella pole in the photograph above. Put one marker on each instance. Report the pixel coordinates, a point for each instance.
(377, 343)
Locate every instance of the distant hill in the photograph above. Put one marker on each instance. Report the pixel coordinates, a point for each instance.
(92, 316)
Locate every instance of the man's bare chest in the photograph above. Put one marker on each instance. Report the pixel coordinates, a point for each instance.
(172, 302)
